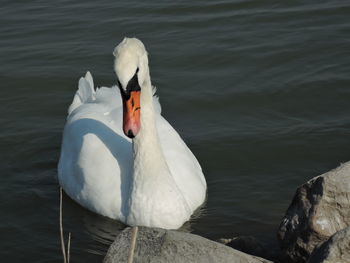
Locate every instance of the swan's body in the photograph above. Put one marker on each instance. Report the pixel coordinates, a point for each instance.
(153, 180)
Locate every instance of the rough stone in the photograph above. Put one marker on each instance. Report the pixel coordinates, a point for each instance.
(335, 250)
(247, 244)
(159, 245)
(320, 208)
(269, 249)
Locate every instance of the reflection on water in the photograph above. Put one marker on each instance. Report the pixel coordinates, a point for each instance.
(95, 233)
(101, 229)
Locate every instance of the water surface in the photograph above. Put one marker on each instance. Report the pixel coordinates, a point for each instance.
(259, 90)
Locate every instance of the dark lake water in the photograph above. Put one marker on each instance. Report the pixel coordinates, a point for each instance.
(259, 90)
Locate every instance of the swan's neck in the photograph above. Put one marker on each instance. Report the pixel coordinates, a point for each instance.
(149, 160)
(155, 199)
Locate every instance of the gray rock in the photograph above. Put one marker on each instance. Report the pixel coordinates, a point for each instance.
(335, 250)
(159, 245)
(269, 249)
(247, 244)
(320, 208)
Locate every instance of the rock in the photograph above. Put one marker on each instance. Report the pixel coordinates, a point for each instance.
(224, 241)
(159, 245)
(320, 208)
(335, 249)
(247, 244)
(269, 249)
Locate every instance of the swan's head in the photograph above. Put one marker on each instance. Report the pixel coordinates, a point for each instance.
(131, 67)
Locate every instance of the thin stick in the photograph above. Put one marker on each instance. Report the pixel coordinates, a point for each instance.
(61, 230)
(68, 248)
(132, 244)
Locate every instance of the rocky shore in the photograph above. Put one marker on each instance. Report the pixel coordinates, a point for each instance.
(314, 229)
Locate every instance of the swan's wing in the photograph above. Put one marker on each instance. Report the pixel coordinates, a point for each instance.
(95, 151)
(84, 93)
(183, 164)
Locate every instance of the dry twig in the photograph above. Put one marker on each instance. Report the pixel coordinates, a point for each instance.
(132, 244)
(68, 248)
(65, 257)
(61, 230)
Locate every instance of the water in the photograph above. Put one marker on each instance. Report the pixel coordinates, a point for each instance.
(259, 90)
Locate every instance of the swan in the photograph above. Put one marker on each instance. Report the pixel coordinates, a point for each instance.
(120, 158)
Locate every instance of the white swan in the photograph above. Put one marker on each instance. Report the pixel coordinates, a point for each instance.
(152, 180)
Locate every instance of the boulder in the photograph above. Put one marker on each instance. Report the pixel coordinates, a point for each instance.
(159, 245)
(246, 244)
(335, 249)
(320, 208)
(269, 249)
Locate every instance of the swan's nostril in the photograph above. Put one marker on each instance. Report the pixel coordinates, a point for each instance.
(130, 134)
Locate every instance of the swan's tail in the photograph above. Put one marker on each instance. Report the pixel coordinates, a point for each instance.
(85, 92)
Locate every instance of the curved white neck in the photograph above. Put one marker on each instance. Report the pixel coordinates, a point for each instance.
(149, 160)
(153, 188)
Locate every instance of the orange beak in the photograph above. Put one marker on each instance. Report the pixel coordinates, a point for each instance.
(131, 114)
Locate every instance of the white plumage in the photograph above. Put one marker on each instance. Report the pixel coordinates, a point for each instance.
(154, 180)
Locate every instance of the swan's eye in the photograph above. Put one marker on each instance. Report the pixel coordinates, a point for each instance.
(133, 84)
